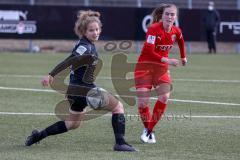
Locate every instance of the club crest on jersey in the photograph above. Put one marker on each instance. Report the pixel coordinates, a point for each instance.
(81, 49)
(151, 39)
(173, 37)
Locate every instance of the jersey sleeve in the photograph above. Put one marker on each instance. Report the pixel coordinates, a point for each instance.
(150, 44)
(79, 57)
(62, 65)
(181, 44)
(81, 49)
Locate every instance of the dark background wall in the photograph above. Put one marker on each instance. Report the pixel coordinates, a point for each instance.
(57, 22)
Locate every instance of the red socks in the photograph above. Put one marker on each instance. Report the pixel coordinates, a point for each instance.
(148, 121)
(158, 111)
(145, 115)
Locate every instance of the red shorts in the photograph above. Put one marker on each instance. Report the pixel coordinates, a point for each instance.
(150, 74)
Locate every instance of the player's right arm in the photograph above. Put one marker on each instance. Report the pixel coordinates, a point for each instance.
(170, 61)
(79, 57)
(60, 67)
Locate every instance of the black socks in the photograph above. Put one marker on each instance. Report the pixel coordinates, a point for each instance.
(57, 128)
(118, 124)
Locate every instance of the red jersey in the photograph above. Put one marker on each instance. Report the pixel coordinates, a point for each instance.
(159, 42)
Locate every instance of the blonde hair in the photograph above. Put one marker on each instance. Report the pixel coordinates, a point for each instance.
(158, 12)
(84, 19)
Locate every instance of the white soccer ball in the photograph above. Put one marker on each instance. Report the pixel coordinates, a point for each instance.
(97, 98)
(36, 49)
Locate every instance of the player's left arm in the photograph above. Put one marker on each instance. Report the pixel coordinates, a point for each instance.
(181, 45)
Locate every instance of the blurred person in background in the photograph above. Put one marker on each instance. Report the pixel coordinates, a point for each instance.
(211, 21)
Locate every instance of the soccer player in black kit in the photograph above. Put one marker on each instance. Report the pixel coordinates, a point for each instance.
(88, 28)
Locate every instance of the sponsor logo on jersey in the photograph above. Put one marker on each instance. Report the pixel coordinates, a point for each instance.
(151, 39)
(163, 47)
(81, 49)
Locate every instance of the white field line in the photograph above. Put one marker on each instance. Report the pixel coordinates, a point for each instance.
(185, 80)
(205, 102)
(153, 98)
(27, 89)
(193, 101)
(109, 78)
(208, 80)
(127, 115)
(20, 76)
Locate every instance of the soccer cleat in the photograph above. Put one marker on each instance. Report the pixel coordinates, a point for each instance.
(151, 138)
(124, 148)
(33, 138)
(144, 137)
(148, 137)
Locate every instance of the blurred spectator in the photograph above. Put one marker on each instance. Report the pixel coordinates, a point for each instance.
(211, 21)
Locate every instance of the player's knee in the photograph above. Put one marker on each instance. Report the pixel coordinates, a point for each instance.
(118, 109)
(143, 102)
(72, 124)
(163, 98)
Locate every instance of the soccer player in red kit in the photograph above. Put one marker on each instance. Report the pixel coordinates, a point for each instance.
(152, 69)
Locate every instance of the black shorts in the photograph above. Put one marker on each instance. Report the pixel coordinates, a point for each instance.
(79, 103)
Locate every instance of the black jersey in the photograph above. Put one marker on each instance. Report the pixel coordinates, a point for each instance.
(211, 20)
(82, 62)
